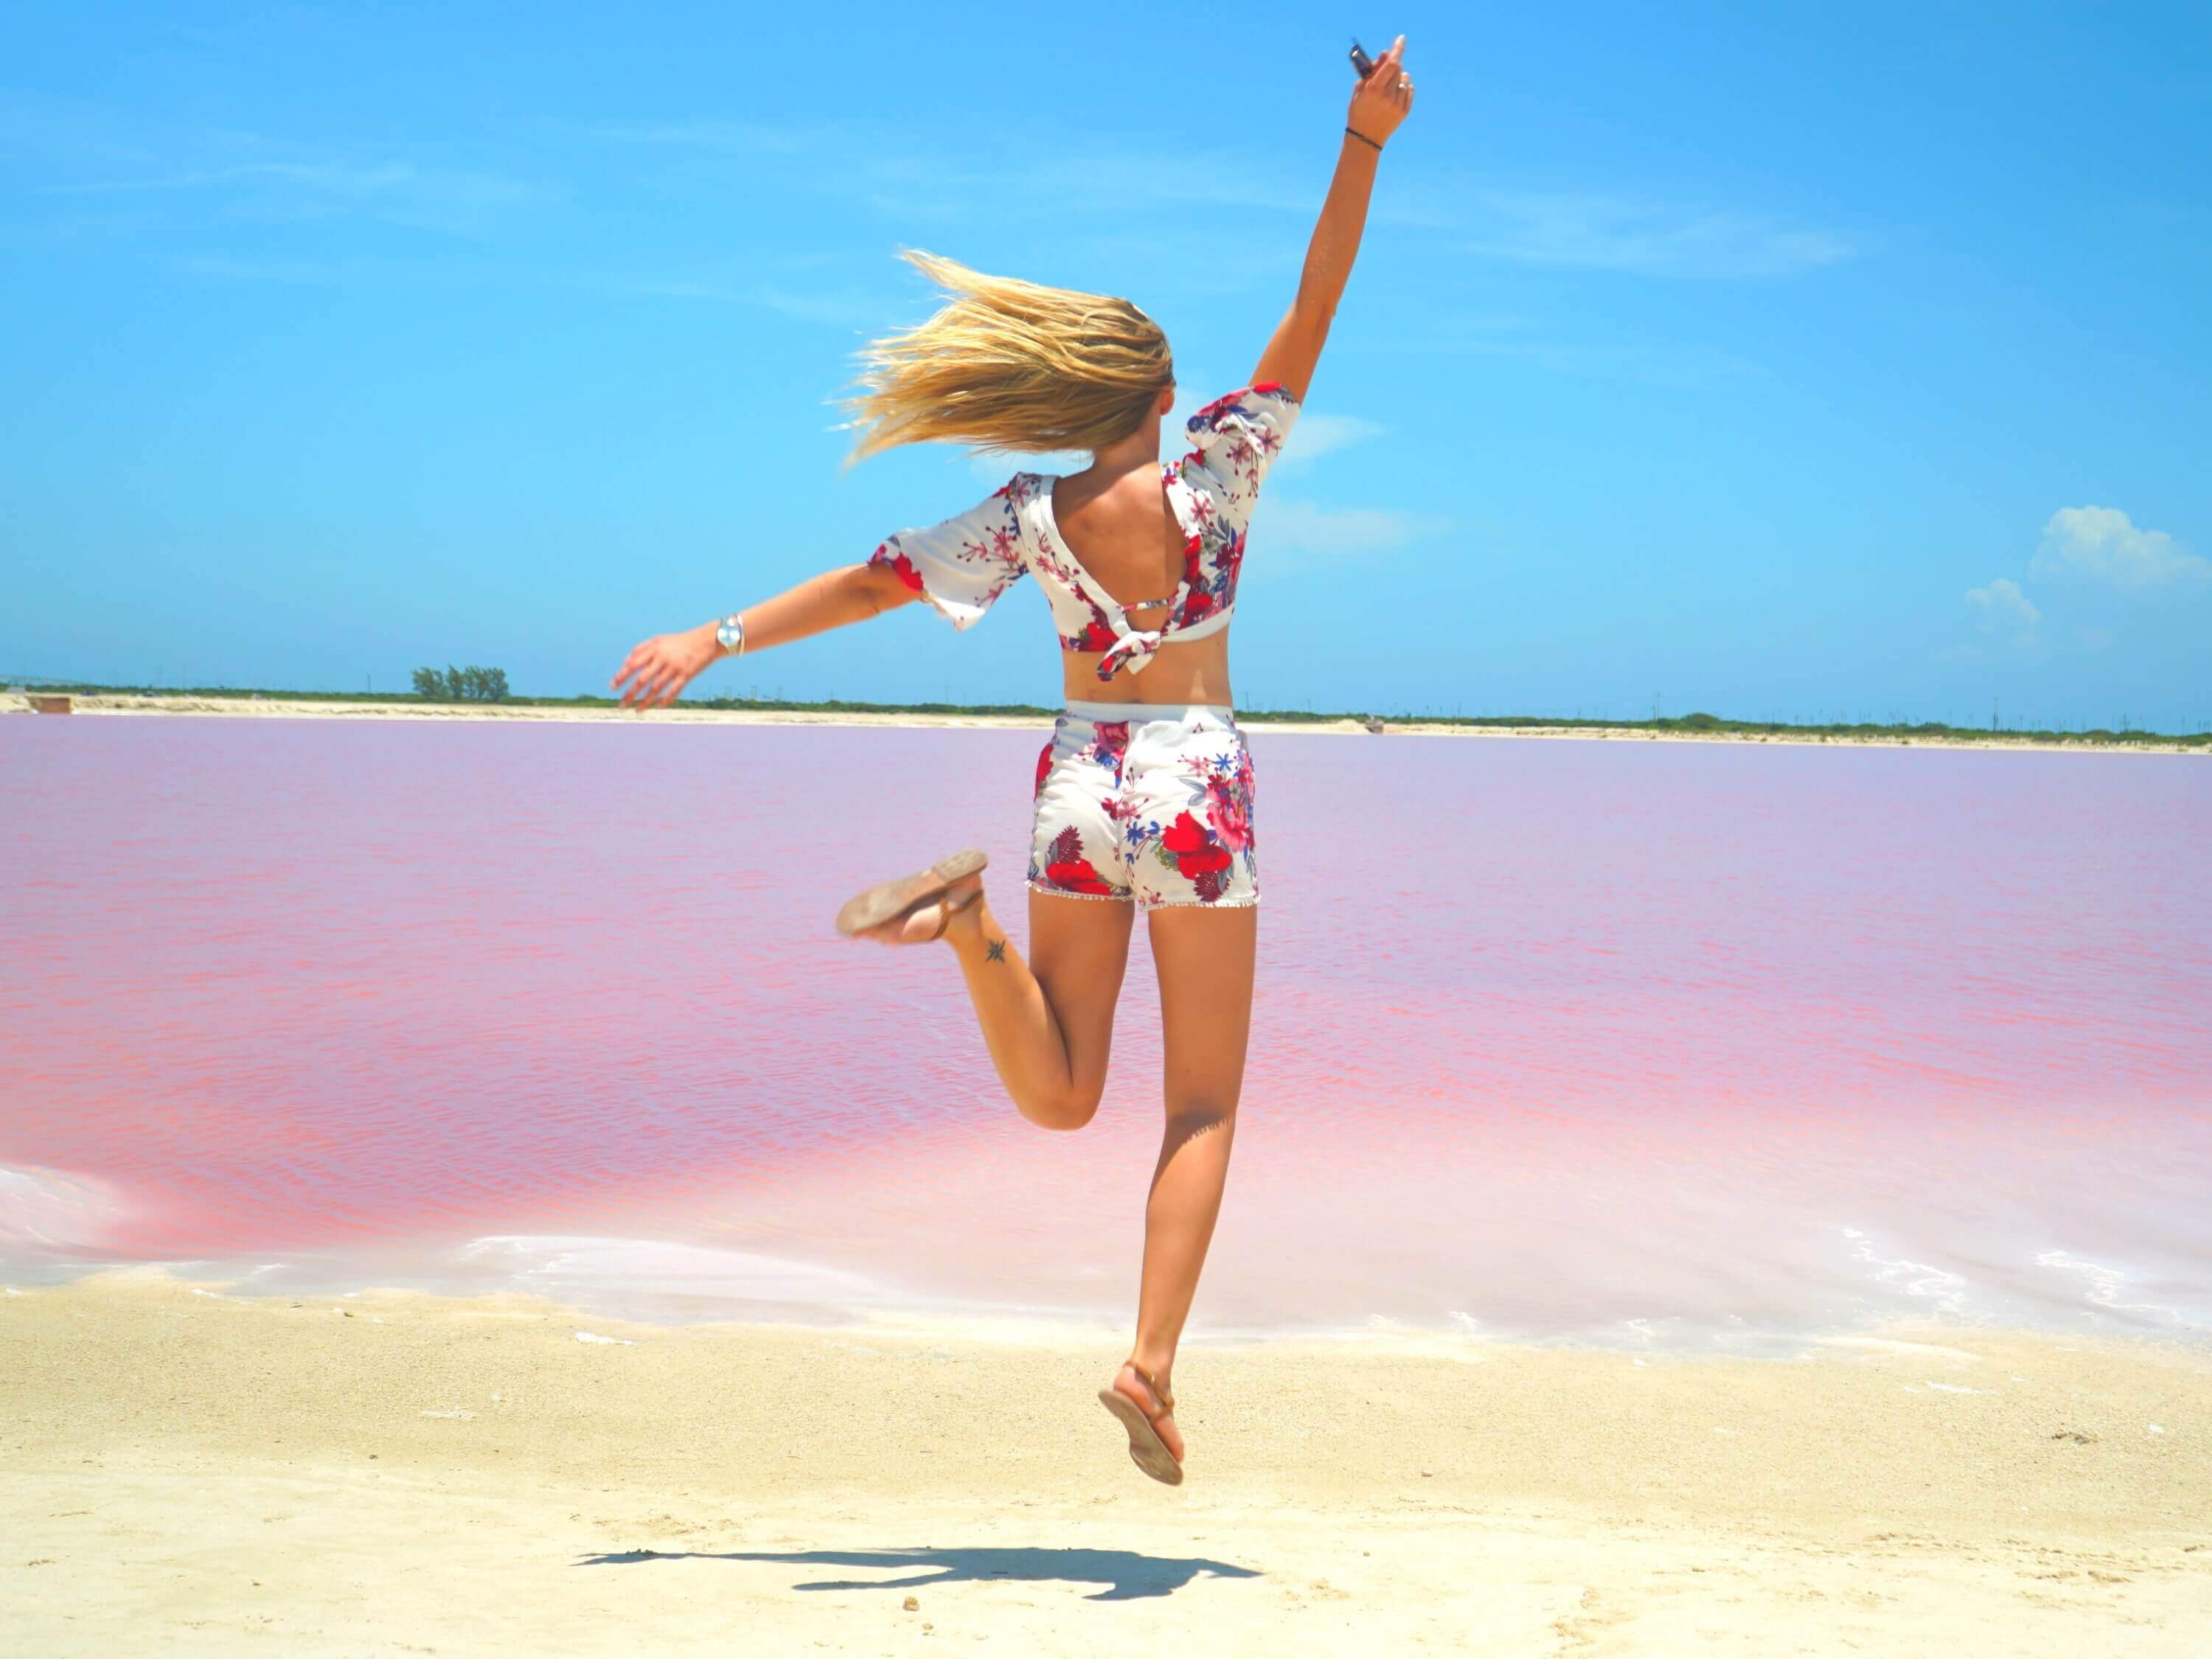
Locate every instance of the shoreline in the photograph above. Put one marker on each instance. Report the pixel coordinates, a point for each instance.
(380, 1471)
(625, 1280)
(111, 703)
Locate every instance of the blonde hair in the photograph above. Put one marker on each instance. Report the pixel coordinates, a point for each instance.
(1008, 364)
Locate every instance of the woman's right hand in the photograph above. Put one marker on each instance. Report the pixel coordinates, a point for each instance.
(659, 668)
(1384, 99)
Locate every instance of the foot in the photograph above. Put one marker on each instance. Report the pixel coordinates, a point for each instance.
(961, 908)
(879, 910)
(1158, 1409)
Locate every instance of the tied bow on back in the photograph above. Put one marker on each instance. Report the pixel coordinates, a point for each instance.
(1133, 649)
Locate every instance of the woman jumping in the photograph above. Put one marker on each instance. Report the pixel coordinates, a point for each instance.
(1144, 795)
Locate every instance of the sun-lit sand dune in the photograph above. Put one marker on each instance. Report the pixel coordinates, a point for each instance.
(391, 1473)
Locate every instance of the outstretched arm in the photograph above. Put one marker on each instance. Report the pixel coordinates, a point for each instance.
(659, 669)
(1379, 103)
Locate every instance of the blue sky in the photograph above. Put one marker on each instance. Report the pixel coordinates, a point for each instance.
(1789, 362)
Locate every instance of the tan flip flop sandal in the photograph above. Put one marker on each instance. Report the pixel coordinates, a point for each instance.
(1146, 1449)
(888, 899)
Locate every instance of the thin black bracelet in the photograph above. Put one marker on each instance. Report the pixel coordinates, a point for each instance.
(1365, 140)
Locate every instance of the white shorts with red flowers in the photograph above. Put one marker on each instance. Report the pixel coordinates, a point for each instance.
(1148, 802)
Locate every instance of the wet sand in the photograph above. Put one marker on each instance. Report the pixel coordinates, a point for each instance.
(393, 1473)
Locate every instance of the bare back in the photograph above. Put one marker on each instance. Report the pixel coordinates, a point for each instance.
(1121, 526)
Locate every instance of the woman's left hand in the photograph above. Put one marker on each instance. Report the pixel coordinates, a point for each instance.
(659, 668)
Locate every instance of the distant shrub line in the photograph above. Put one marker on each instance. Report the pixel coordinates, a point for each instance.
(489, 685)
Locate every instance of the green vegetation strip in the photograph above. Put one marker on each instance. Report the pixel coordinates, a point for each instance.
(1689, 725)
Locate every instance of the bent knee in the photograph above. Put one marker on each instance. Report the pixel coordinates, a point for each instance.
(1191, 1114)
(1068, 1109)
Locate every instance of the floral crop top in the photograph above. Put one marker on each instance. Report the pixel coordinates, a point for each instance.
(962, 565)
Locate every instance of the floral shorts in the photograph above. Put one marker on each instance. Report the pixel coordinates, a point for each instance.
(1147, 802)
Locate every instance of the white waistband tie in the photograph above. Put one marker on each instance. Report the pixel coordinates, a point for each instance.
(1133, 647)
(1132, 651)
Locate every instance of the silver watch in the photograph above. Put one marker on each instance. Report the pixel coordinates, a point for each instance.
(730, 635)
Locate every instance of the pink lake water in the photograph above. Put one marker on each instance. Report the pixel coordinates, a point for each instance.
(1684, 1044)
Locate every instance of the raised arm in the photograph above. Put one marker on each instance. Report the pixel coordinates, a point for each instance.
(659, 669)
(1379, 103)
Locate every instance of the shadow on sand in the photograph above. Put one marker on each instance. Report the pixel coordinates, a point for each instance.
(1128, 1575)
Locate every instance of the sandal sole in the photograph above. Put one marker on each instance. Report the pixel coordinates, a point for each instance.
(1146, 1449)
(888, 899)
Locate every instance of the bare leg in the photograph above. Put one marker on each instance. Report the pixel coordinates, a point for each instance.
(1205, 959)
(1047, 1022)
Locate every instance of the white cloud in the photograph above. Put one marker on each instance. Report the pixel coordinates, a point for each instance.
(994, 468)
(1681, 367)
(888, 169)
(450, 200)
(849, 308)
(272, 271)
(1316, 436)
(1521, 338)
(2103, 544)
(380, 180)
(741, 138)
(1296, 526)
(2001, 608)
(1600, 232)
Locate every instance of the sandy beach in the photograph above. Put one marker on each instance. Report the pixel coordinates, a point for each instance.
(308, 708)
(391, 1473)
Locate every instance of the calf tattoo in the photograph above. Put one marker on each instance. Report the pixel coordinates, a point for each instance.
(994, 950)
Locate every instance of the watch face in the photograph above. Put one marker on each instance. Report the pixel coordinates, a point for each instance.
(728, 635)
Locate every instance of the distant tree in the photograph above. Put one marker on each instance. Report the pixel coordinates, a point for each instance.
(471, 684)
